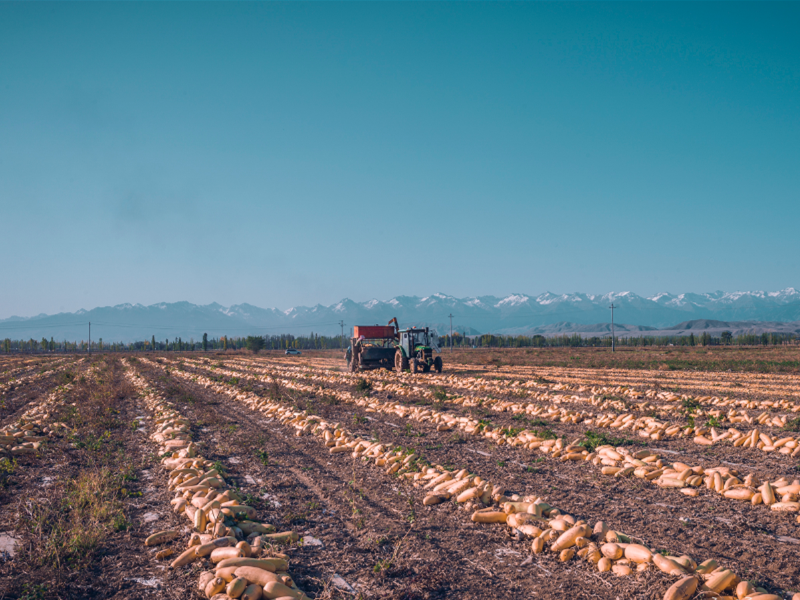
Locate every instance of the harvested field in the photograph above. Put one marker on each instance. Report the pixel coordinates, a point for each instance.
(192, 476)
(743, 359)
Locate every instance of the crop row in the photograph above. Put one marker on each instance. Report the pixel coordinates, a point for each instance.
(10, 374)
(646, 427)
(535, 381)
(11, 363)
(226, 533)
(16, 381)
(527, 515)
(600, 398)
(780, 495)
(35, 425)
(726, 383)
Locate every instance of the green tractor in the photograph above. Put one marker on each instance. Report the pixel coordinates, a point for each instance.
(415, 348)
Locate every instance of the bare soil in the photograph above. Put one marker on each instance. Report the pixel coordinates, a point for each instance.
(373, 530)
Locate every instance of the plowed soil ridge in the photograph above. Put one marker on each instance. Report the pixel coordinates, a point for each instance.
(634, 509)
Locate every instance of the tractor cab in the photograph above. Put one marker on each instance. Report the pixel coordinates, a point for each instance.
(418, 339)
(415, 348)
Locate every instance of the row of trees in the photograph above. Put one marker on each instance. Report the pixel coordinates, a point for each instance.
(45, 345)
(312, 341)
(272, 342)
(321, 342)
(726, 338)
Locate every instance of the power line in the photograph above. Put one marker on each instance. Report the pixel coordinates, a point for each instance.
(194, 328)
(210, 326)
(531, 315)
(612, 307)
(451, 331)
(42, 326)
(191, 328)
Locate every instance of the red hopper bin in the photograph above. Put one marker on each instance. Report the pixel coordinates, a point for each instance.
(372, 332)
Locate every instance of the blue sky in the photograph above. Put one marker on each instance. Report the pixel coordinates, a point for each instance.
(284, 154)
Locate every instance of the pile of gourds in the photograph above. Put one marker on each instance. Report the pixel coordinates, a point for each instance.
(227, 534)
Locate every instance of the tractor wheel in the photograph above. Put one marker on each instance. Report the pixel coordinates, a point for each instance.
(413, 365)
(400, 362)
(425, 367)
(437, 364)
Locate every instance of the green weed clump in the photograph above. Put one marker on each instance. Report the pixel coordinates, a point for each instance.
(7, 468)
(439, 393)
(793, 425)
(545, 434)
(70, 527)
(594, 440)
(363, 385)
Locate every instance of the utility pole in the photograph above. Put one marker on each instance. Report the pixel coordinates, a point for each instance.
(341, 343)
(451, 331)
(612, 307)
(90, 337)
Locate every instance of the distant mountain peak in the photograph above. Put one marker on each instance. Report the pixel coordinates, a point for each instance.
(514, 313)
(513, 300)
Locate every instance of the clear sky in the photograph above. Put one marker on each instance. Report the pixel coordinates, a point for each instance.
(285, 154)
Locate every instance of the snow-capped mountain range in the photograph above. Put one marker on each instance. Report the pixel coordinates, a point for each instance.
(515, 313)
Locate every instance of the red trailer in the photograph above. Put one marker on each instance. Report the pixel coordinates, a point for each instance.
(372, 347)
(373, 332)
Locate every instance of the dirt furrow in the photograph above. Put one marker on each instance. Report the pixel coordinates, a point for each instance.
(16, 394)
(438, 533)
(705, 534)
(765, 465)
(79, 510)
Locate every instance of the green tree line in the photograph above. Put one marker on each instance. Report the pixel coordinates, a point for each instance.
(271, 342)
(321, 342)
(726, 338)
